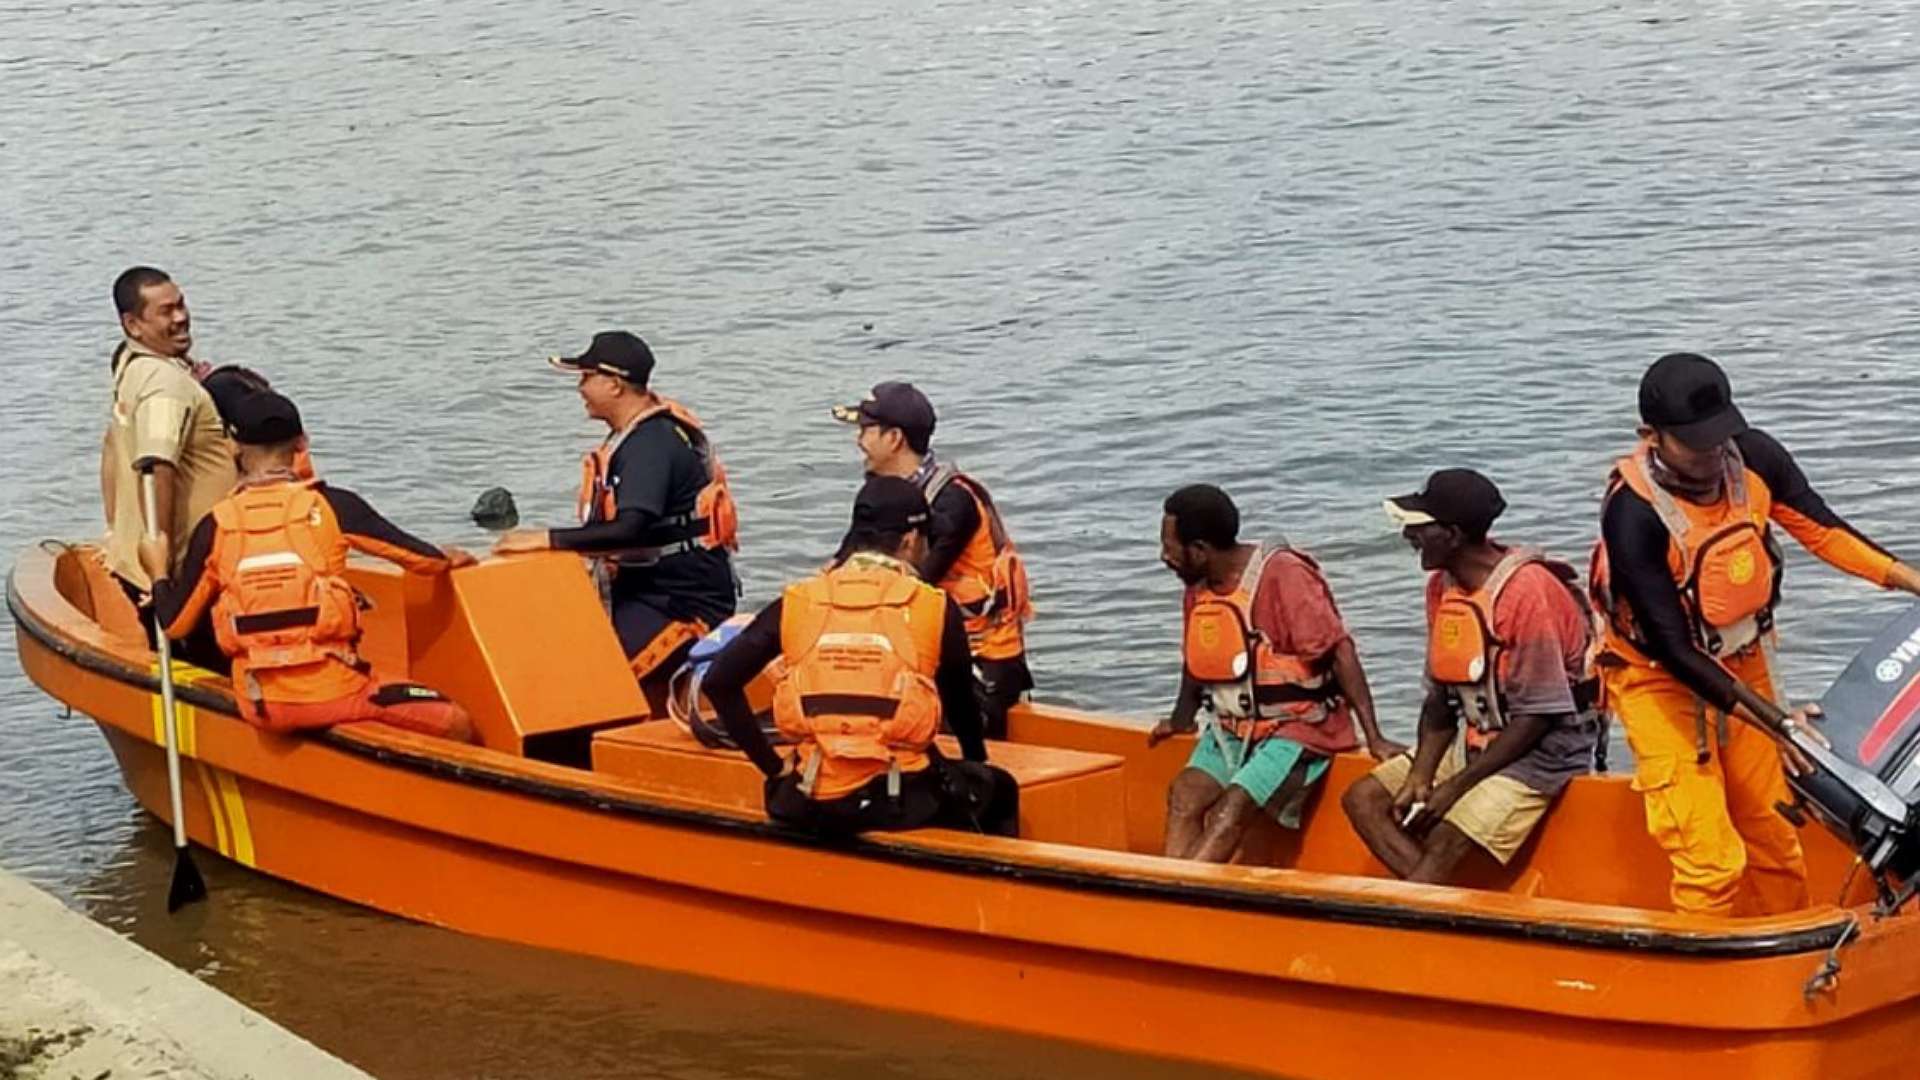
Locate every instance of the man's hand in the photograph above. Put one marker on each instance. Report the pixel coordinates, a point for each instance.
(1903, 577)
(1380, 748)
(457, 557)
(1801, 720)
(1440, 800)
(1165, 730)
(156, 556)
(1417, 791)
(520, 541)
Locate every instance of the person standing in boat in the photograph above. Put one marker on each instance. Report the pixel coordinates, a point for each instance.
(874, 660)
(1688, 573)
(1510, 712)
(164, 421)
(1266, 654)
(655, 510)
(265, 568)
(969, 554)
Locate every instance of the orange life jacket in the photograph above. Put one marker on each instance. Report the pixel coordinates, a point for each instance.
(1254, 688)
(988, 581)
(1723, 557)
(1464, 652)
(860, 645)
(279, 560)
(714, 521)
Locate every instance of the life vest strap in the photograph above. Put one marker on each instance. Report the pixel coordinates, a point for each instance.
(266, 622)
(848, 705)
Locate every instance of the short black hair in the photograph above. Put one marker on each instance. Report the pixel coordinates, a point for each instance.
(1203, 513)
(918, 439)
(127, 287)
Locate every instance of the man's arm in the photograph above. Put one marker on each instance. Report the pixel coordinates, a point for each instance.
(1352, 680)
(952, 520)
(1808, 519)
(725, 685)
(959, 708)
(365, 530)
(179, 605)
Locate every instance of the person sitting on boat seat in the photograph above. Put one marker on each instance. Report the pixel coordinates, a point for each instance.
(228, 385)
(1267, 656)
(1509, 716)
(874, 660)
(266, 567)
(655, 511)
(969, 553)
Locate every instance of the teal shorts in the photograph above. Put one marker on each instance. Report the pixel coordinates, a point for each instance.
(1266, 766)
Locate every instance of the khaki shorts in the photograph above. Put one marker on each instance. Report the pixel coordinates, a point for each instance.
(1497, 813)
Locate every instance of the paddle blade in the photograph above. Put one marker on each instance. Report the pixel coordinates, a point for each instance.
(188, 886)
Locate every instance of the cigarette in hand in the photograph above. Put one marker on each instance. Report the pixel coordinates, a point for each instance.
(1412, 812)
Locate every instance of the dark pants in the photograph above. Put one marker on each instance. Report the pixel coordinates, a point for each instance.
(998, 685)
(200, 647)
(967, 795)
(638, 623)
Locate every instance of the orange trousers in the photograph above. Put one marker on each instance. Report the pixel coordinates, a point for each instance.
(400, 704)
(1732, 852)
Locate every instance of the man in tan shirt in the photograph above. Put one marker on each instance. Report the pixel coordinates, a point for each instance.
(162, 419)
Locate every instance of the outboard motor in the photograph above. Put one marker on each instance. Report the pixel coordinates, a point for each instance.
(1867, 787)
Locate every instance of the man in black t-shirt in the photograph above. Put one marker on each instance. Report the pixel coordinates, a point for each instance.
(654, 509)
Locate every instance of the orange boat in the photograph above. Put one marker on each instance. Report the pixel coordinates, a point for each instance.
(581, 826)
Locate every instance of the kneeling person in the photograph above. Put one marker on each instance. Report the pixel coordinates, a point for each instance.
(873, 660)
(1266, 653)
(267, 564)
(1507, 652)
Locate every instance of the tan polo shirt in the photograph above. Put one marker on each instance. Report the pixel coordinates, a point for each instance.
(160, 411)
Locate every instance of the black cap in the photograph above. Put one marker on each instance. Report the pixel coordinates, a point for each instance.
(891, 404)
(612, 352)
(1687, 396)
(890, 503)
(227, 384)
(264, 418)
(1459, 497)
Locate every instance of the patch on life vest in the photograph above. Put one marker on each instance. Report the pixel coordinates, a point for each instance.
(1449, 632)
(1740, 567)
(313, 516)
(1209, 634)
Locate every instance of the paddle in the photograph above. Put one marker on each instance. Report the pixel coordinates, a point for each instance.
(187, 884)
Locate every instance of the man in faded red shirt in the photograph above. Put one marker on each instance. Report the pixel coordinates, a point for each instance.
(1267, 656)
(1509, 717)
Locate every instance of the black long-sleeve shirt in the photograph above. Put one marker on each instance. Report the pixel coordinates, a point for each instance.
(757, 646)
(1637, 545)
(182, 601)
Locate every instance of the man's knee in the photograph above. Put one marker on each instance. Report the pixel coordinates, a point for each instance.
(1365, 799)
(1191, 794)
(1231, 811)
(1441, 854)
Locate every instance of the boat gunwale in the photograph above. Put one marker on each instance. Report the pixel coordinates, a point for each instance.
(1738, 943)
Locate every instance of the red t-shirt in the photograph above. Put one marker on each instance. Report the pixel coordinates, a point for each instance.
(1294, 610)
(1545, 631)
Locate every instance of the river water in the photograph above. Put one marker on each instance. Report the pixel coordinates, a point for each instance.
(1308, 251)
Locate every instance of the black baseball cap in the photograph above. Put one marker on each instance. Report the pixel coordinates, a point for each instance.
(612, 352)
(264, 418)
(1687, 396)
(890, 502)
(1458, 497)
(891, 404)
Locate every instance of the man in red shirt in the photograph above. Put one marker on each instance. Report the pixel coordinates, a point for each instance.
(1509, 715)
(1266, 654)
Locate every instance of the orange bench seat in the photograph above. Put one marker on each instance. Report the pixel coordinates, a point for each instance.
(1066, 796)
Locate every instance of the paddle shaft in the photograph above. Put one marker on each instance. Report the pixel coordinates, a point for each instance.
(170, 722)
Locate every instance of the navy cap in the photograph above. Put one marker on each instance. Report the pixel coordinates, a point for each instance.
(891, 404)
(612, 352)
(264, 418)
(890, 503)
(1458, 497)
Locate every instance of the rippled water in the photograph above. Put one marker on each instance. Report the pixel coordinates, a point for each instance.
(1306, 250)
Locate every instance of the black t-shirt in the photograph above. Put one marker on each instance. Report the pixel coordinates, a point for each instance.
(657, 473)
